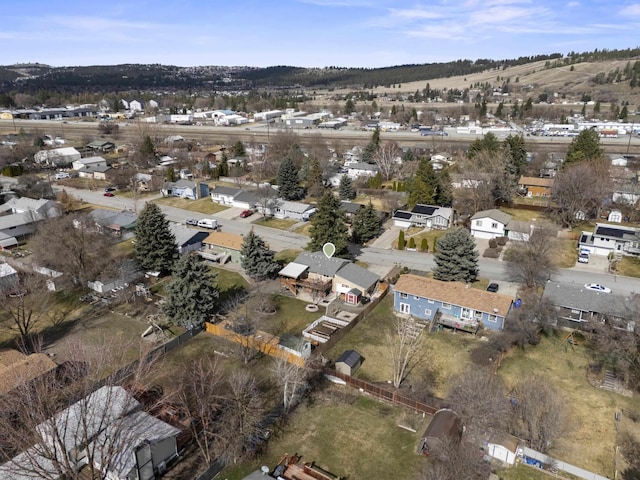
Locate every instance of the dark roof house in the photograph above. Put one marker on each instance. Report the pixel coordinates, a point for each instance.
(444, 426)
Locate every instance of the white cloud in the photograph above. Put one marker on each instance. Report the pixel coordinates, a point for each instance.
(573, 4)
(633, 10)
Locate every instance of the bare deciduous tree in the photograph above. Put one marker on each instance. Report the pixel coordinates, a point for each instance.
(580, 189)
(404, 344)
(386, 158)
(479, 397)
(453, 460)
(292, 380)
(540, 413)
(71, 245)
(532, 262)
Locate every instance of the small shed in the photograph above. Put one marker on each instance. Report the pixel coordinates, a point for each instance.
(444, 426)
(353, 296)
(503, 447)
(348, 362)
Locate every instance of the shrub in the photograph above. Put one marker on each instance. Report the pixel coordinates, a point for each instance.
(491, 253)
(401, 242)
(435, 242)
(424, 245)
(493, 243)
(502, 241)
(412, 242)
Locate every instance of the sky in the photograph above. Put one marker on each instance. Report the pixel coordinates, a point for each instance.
(307, 33)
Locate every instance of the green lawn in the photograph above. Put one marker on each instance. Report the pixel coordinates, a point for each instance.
(303, 229)
(523, 472)
(358, 441)
(230, 283)
(523, 215)
(280, 224)
(287, 256)
(290, 317)
(203, 205)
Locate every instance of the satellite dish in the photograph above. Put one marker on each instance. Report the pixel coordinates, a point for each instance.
(264, 469)
(495, 310)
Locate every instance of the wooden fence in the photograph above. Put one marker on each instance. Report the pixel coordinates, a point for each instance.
(384, 394)
(261, 341)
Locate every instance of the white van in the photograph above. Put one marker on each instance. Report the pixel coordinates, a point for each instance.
(61, 175)
(208, 223)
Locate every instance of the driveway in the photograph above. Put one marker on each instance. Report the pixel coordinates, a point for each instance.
(597, 264)
(387, 238)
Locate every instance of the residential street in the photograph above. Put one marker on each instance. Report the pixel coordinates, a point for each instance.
(281, 240)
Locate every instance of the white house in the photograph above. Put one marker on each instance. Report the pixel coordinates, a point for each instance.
(19, 215)
(287, 209)
(224, 195)
(426, 216)
(502, 447)
(57, 156)
(361, 169)
(88, 162)
(608, 238)
(489, 224)
(135, 106)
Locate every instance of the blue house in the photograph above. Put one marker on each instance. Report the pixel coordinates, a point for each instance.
(452, 304)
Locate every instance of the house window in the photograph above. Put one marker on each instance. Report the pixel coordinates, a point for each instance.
(494, 225)
(478, 223)
(403, 295)
(493, 318)
(446, 306)
(427, 312)
(477, 315)
(405, 308)
(465, 313)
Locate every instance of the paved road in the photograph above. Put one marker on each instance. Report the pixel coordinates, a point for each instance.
(281, 240)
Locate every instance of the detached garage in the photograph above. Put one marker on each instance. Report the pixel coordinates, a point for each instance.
(348, 362)
(502, 447)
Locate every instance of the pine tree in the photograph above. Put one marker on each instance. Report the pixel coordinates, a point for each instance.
(328, 225)
(401, 242)
(412, 243)
(257, 260)
(366, 225)
(288, 179)
(171, 174)
(223, 168)
(238, 149)
(456, 258)
(192, 294)
(424, 245)
(346, 188)
(315, 180)
(155, 247)
(586, 146)
(422, 188)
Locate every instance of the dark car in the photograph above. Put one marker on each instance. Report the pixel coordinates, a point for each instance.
(110, 189)
(246, 213)
(109, 194)
(493, 287)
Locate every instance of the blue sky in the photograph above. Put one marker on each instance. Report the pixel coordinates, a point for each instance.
(309, 33)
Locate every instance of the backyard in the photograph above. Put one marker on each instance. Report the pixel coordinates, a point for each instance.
(203, 205)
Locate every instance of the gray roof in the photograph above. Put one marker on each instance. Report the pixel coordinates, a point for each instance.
(518, 226)
(246, 196)
(363, 166)
(360, 276)
(320, 264)
(182, 183)
(577, 297)
(295, 207)
(351, 207)
(349, 357)
(107, 218)
(222, 190)
(493, 214)
(185, 235)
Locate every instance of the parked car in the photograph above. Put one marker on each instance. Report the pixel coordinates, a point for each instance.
(583, 258)
(109, 194)
(493, 287)
(110, 189)
(597, 287)
(246, 213)
(192, 221)
(61, 175)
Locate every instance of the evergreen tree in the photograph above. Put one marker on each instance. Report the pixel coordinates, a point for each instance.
(366, 225)
(424, 245)
(456, 258)
(586, 146)
(401, 242)
(288, 179)
(346, 188)
(422, 188)
(349, 107)
(412, 243)
(155, 247)
(489, 143)
(315, 180)
(171, 174)
(192, 294)
(328, 225)
(147, 149)
(223, 168)
(257, 260)
(238, 149)
(517, 152)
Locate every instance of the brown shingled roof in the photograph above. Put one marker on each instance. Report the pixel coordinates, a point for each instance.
(536, 181)
(455, 293)
(224, 239)
(24, 370)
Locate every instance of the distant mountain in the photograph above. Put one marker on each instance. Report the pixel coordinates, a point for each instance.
(30, 78)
